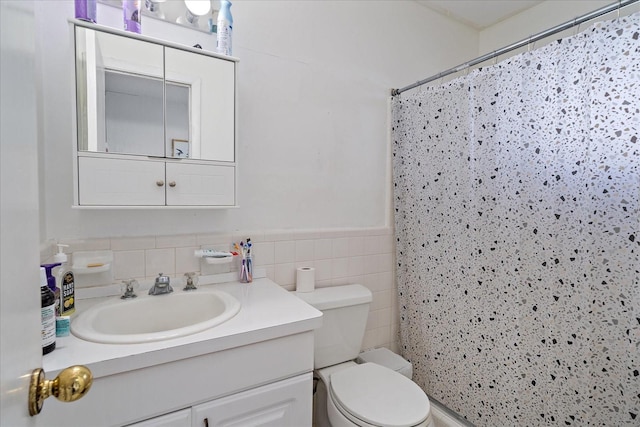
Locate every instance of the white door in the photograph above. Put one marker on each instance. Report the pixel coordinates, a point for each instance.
(20, 349)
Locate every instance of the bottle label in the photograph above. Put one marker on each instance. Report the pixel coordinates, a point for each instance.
(57, 297)
(48, 325)
(132, 15)
(67, 294)
(223, 37)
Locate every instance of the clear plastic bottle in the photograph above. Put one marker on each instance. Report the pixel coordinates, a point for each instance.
(47, 314)
(225, 29)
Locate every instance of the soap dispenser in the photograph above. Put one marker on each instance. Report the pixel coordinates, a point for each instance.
(66, 283)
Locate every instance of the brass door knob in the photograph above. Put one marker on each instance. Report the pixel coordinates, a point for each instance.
(172, 184)
(159, 183)
(70, 385)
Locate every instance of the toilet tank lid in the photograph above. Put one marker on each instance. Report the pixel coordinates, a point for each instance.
(336, 296)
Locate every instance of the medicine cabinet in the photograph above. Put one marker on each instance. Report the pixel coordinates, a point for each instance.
(155, 122)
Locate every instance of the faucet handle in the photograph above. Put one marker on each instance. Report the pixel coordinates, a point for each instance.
(190, 281)
(129, 288)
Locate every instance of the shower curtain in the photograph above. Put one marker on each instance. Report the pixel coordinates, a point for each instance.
(517, 218)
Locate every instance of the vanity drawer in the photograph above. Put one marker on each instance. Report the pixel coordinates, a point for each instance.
(174, 419)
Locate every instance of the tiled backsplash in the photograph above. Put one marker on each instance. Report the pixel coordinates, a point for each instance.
(339, 256)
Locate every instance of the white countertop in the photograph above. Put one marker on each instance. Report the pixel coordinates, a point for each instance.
(268, 311)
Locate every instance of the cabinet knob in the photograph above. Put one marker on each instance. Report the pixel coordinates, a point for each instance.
(172, 184)
(159, 183)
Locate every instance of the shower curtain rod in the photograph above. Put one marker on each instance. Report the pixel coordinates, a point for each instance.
(532, 39)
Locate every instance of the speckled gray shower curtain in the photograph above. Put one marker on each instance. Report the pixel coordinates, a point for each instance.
(517, 215)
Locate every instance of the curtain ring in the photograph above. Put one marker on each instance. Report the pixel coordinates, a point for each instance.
(529, 45)
(619, 6)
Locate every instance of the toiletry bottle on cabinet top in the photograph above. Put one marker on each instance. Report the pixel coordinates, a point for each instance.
(86, 10)
(225, 28)
(66, 283)
(132, 15)
(47, 314)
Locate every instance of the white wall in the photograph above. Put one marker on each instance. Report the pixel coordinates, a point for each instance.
(314, 83)
(539, 18)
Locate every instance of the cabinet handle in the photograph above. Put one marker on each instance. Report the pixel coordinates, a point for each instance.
(206, 422)
(172, 184)
(159, 183)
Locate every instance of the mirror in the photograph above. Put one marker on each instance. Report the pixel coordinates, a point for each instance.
(141, 98)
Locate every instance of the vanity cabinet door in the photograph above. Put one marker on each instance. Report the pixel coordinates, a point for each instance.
(200, 185)
(281, 404)
(120, 182)
(175, 419)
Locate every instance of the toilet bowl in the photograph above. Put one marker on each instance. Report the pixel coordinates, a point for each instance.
(350, 394)
(370, 395)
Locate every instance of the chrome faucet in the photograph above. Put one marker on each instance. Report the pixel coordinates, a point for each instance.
(161, 286)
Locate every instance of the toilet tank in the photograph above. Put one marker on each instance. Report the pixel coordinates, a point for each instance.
(345, 310)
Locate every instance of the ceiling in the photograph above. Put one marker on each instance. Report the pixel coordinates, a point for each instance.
(479, 14)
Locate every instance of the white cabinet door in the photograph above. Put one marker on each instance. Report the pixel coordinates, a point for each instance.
(281, 404)
(175, 419)
(200, 185)
(118, 182)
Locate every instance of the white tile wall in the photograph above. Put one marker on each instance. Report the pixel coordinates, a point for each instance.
(340, 256)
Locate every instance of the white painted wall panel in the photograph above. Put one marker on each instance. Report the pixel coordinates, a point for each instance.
(313, 85)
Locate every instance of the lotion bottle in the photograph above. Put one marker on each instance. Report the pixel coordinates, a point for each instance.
(66, 283)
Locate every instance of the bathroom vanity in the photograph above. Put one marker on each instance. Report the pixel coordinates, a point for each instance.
(156, 122)
(253, 368)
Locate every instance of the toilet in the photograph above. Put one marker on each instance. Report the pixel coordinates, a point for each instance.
(378, 391)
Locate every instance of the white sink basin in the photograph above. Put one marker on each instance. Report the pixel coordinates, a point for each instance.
(150, 318)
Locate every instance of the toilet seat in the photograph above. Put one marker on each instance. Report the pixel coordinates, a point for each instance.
(372, 395)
